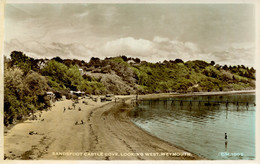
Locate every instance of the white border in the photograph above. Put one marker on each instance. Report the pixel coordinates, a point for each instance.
(257, 42)
(136, 1)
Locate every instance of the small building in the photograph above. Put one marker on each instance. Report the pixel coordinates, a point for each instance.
(50, 94)
(78, 93)
(81, 71)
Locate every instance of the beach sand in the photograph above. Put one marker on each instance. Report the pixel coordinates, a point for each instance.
(106, 134)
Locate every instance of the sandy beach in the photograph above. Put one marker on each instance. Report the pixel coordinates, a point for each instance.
(107, 133)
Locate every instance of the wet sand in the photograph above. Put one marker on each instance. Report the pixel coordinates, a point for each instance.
(106, 134)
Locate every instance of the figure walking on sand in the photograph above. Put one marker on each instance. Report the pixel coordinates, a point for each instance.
(226, 142)
(64, 109)
(225, 136)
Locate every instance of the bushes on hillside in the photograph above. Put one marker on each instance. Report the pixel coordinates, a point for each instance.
(23, 94)
(180, 77)
(61, 77)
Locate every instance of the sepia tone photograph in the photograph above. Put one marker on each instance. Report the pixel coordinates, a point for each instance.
(129, 81)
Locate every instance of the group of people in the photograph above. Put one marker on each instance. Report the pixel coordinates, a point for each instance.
(79, 109)
(34, 117)
(77, 123)
(69, 108)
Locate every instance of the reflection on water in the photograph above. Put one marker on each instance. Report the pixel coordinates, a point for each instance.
(200, 126)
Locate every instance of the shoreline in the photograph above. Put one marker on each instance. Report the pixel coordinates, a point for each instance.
(148, 96)
(152, 96)
(167, 95)
(99, 134)
(102, 124)
(120, 115)
(133, 124)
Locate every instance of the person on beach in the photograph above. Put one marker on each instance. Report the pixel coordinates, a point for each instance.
(64, 109)
(226, 142)
(82, 122)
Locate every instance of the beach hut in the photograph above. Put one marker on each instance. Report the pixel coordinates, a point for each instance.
(79, 93)
(50, 94)
(81, 71)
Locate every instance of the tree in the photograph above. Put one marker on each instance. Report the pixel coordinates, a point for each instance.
(55, 70)
(217, 66)
(56, 73)
(124, 58)
(77, 62)
(35, 84)
(21, 60)
(74, 77)
(137, 60)
(67, 62)
(225, 67)
(13, 81)
(179, 61)
(94, 61)
(252, 70)
(58, 59)
(21, 94)
(212, 63)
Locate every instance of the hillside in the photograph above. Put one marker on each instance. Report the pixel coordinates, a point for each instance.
(26, 80)
(122, 75)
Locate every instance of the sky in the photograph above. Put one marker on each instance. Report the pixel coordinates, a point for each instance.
(224, 33)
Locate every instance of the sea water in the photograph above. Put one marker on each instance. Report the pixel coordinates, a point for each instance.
(199, 124)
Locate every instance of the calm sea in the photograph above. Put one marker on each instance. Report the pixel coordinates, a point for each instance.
(199, 126)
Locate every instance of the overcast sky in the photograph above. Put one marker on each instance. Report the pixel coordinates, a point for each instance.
(154, 32)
